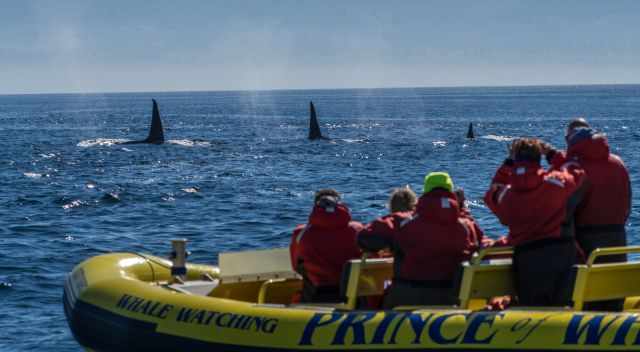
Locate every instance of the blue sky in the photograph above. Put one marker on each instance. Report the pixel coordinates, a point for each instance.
(110, 46)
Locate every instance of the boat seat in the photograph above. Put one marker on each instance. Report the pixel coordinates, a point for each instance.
(259, 265)
(197, 287)
(278, 291)
(242, 274)
(483, 279)
(597, 282)
(366, 277)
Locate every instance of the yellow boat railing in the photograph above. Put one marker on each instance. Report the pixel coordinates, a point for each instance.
(485, 280)
(598, 282)
(601, 252)
(485, 252)
(482, 280)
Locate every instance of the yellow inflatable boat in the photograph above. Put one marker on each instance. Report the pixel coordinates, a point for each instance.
(136, 302)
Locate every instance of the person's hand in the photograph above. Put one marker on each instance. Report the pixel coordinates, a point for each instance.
(499, 303)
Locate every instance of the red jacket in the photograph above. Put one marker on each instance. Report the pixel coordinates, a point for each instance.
(607, 199)
(320, 249)
(535, 204)
(479, 237)
(428, 244)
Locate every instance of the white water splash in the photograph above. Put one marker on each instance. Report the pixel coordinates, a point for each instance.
(188, 143)
(32, 174)
(74, 204)
(439, 143)
(350, 140)
(496, 138)
(471, 203)
(101, 142)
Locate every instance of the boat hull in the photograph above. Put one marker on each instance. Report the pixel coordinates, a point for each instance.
(113, 303)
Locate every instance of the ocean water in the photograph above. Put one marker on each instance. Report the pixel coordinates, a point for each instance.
(238, 173)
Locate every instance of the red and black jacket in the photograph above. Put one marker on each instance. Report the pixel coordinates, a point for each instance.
(607, 199)
(320, 249)
(428, 244)
(535, 204)
(482, 240)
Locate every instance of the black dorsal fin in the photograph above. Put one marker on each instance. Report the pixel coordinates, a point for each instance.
(314, 128)
(470, 133)
(156, 133)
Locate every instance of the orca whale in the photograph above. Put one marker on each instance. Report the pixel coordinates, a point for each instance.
(156, 133)
(314, 128)
(470, 133)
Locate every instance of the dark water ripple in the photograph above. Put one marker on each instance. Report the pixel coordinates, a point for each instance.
(237, 172)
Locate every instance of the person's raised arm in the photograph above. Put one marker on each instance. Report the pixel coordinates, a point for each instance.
(498, 190)
(380, 233)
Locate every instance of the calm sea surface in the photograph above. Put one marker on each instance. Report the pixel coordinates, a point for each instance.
(238, 173)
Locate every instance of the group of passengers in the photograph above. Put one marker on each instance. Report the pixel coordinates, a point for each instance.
(555, 217)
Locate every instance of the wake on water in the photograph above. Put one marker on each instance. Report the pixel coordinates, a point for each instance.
(107, 142)
(354, 140)
(496, 138)
(100, 142)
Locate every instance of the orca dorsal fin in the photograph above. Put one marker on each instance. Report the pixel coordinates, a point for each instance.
(314, 128)
(156, 133)
(470, 133)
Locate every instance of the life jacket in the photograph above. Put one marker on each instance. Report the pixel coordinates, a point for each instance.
(428, 244)
(607, 199)
(320, 249)
(535, 204)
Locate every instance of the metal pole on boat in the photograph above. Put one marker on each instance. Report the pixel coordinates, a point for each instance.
(179, 260)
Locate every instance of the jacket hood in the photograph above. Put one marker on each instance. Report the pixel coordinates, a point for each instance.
(339, 218)
(595, 148)
(439, 206)
(526, 175)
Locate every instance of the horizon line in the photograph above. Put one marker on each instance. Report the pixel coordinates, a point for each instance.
(322, 89)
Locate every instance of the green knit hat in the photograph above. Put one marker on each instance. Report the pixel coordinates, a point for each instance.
(437, 180)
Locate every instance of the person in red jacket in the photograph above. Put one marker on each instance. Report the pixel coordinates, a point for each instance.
(601, 218)
(320, 249)
(482, 240)
(538, 207)
(402, 199)
(428, 244)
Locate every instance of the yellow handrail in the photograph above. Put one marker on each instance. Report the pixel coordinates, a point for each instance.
(262, 294)
(354, 280)
(476, 259)
(600, 252)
